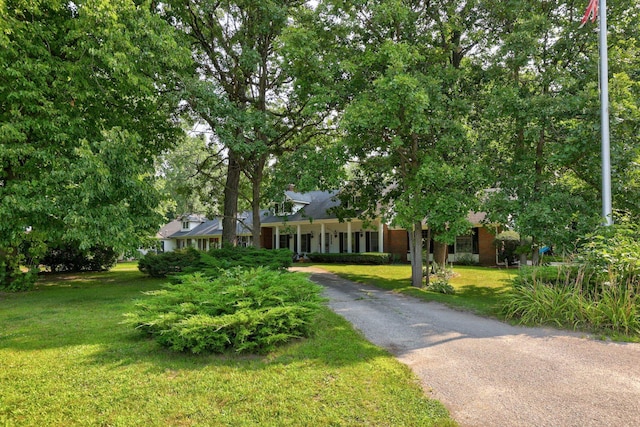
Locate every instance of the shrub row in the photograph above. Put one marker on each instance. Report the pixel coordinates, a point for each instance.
(372, 258)
(69, 257)
(247, 310)
(190, 260)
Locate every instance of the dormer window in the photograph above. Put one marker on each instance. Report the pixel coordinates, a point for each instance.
(283, 208)
(185, 225)
(353, 202)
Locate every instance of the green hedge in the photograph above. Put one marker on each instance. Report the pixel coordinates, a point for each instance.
(163, 264)
(247, 310)
(69, 257)
(190, 260)
(372, 258)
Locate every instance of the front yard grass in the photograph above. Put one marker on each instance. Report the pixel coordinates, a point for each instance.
(478, 289)
(66, 359)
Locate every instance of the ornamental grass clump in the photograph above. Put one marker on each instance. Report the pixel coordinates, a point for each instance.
(246, 310)
(599, 292)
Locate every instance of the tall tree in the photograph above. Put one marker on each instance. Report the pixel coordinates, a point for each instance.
(85, 105)
(242, 91)
(407, 116)
(185, 187)
(542, 118)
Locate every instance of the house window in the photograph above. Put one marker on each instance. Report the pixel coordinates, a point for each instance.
(371, 241)
(284, 208)
(355, 242)
(464, 244)
(244, 241)
(284, 241)
(305, 244)
(214, 243)
(469, 243)
(343, 242)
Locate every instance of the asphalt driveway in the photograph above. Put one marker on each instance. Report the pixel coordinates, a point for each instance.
(489, 373)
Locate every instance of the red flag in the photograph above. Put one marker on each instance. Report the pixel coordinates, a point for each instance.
(591, 12)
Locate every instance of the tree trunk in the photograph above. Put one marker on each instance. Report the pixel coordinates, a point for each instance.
(440, 252)
(523, 254)
(415, 254)
(231, 190)
(427, 249)
(256, 183)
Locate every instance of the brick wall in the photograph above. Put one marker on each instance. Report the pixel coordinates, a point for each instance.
(486, 247)
(395, 242)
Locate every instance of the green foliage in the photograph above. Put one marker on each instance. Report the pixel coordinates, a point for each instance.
(247, 310)
(441, 287)
(275, 259)
(507, 243)
(612, 251)
(160, 265)
(19, 262)
(87, 100)
(69, 257)
(439, 280)
(190, 260)
(466, 259)
(599, 291)
(543, 144)
(373, 258)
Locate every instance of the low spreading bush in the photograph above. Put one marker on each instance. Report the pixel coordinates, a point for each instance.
(371, 258)
(190, 260)
(163, 264)
(247, 310)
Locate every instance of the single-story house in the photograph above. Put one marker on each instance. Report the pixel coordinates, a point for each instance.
(305, 223)
(202, 233)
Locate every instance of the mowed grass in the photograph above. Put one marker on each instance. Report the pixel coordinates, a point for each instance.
(478, 289)
(67, 360)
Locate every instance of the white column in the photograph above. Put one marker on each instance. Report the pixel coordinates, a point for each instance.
(380, 236)
(299, 239)
(277, 237)
(323, 239)
(349, 237)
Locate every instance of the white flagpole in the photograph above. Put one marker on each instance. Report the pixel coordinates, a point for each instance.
(607, 213)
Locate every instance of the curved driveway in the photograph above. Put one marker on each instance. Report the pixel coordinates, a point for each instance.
(489, 373)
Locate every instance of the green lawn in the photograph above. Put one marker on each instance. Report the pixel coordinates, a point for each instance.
(66, 359)
(477, 288)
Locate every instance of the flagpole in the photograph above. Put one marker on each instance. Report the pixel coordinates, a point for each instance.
(607, 213)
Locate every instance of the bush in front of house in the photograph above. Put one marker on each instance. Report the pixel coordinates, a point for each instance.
(190, 260)
(163, 264)
(274, 259)
(68, 257)
(370, 258)
(599, 291)
(246, 310)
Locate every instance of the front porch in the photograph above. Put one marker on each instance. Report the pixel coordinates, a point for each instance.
(325, 237)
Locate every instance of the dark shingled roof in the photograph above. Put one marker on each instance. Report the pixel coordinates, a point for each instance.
(212, 227)
(319, 202)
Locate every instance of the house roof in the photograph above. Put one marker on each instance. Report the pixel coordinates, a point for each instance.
(476, 217)
(169, 229)
(318, 204)
(208, 227)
